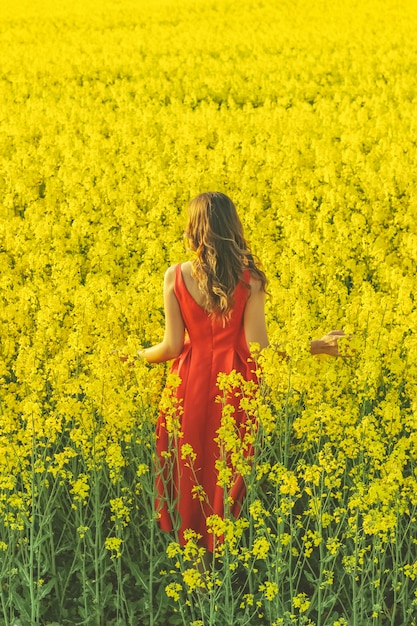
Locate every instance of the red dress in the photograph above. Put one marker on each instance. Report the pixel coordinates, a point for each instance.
(211, 347)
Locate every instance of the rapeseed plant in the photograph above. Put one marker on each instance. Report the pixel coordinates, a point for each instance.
(112, 118)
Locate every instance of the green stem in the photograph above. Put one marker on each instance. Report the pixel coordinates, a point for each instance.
(97, 547)
(33, 610)
(355, 597)
(151, 572)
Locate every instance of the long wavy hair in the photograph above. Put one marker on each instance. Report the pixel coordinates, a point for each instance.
(215, 234)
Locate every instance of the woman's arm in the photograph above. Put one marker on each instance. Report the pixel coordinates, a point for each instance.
(173, 341)
(254, 318)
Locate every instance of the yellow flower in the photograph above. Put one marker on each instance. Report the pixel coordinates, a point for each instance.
(192, 578)
(187, 453)
(142, 469)
(114, 544)
(258, 512)
(260, 548)
(199, 493)
(333, 545)
(120, 510)
(269, 590)
(82, 530)
(247, 600)
(80, 488)
(173, 591)
(173, 549)
(301, 602)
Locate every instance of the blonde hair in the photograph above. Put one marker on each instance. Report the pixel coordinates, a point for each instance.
(215, 234)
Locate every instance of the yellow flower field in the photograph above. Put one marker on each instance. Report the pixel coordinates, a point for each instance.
(113, 115)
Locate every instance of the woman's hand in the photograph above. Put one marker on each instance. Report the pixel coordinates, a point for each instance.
(328, 344)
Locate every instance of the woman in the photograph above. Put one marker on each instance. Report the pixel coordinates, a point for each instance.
(214, 309)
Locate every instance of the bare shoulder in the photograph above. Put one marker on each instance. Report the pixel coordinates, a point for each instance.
(186, 268)
(169, 278)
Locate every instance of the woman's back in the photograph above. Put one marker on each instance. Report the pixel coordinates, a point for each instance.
(214, 341)
(249, 289)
